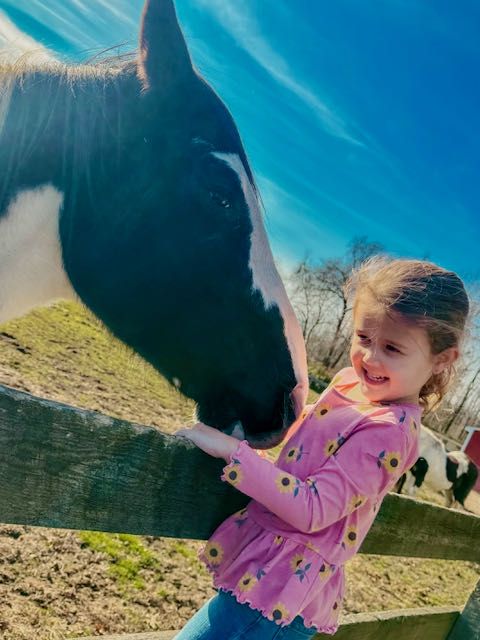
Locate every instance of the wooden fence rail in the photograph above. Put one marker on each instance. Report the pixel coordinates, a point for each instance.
(69, 468)
(403, 624)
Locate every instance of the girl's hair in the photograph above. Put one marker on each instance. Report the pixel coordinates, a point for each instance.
(423, 294)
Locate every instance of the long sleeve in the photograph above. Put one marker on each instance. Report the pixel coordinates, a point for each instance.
(367, 463)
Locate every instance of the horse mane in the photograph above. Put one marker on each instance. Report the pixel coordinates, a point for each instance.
(55, 91)
(98, 65)
(30, 64)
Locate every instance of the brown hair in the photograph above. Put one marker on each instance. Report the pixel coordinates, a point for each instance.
(423, 294)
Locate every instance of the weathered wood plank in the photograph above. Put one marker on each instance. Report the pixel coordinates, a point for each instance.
(433, 623)
(414, 528)
(404, 624)
(467, 626)
(68, 468)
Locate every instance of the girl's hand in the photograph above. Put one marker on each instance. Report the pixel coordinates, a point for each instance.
(210, 440)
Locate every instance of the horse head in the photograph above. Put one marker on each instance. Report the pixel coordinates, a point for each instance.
(161, 235)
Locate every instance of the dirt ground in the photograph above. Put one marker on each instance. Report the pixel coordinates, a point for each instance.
(58, 584)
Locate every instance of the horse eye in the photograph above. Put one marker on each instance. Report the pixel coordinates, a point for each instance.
(221, 200)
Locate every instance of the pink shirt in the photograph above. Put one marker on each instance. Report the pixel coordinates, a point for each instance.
(311, 509)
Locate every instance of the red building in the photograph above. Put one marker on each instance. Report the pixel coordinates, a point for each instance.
(471, 446)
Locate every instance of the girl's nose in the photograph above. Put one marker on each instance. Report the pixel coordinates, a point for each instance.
(370, 355)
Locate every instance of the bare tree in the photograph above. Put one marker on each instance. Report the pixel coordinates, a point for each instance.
(318, 295)
(306, 298)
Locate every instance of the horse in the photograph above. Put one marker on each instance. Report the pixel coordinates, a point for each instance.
(124, 185)
(452, 473)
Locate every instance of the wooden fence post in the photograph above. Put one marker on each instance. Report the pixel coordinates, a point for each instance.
(467, 626)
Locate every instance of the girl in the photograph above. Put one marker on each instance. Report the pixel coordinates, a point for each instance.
(278, 564)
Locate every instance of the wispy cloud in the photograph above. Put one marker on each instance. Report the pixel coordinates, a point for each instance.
(85, 24)
(294, 230)
(122, 14)
(15, 43)
(241, 24)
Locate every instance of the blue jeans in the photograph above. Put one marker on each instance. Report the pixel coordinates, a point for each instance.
(223, 618)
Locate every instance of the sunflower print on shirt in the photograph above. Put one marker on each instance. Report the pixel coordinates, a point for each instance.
(279, 613)
(390, 460)
(321, 410)
(325, 571)
(350, 537)
(213, 552)
(294, 454)
(287, 483)
(234, 474)
(356, 502)
(332, 446)
(296, 565)
(246, 582)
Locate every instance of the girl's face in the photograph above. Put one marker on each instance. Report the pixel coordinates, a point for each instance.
(392, 358)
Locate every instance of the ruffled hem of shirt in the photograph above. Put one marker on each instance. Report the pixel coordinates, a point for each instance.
(240, 598)
(273, 557)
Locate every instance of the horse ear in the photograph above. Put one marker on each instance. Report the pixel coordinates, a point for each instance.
(164, 58)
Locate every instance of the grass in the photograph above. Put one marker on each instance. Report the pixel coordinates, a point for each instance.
(126, 553)
(64, 352)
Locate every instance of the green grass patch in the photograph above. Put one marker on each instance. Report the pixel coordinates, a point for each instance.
(181, 548)
(126, 554)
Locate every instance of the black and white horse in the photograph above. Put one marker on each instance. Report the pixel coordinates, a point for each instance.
(450, 472)
(126, 185)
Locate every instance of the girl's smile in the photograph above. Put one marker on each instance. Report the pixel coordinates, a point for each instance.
(375, 380)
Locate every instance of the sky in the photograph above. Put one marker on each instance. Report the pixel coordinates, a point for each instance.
(359, 118)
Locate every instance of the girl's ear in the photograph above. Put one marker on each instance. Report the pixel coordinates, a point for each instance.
(445, 359)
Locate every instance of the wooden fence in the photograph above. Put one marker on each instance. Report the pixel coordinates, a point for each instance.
(68, 468)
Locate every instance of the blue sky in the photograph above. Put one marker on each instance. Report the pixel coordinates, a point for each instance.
(359, 118)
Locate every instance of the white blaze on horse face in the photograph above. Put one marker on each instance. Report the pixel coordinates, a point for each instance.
(268, 282)
(31, 268)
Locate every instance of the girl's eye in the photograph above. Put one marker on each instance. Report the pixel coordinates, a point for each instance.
(363, 338)
(390, 347)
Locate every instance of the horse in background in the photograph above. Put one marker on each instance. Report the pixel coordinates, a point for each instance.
(126, 186)
(449, 472)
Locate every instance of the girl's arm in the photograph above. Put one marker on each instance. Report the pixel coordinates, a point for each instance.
(210, 440)
(369, 461)
(362, 468)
